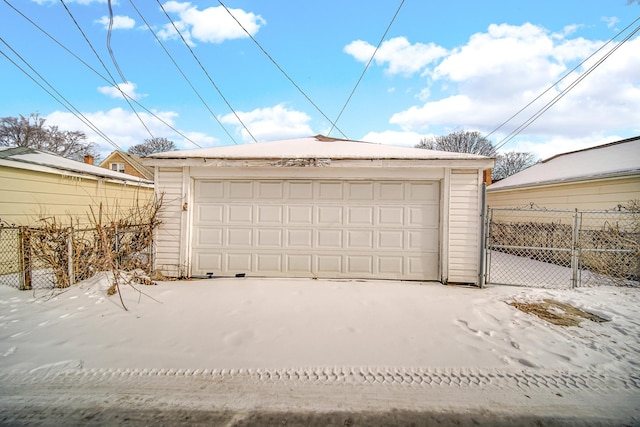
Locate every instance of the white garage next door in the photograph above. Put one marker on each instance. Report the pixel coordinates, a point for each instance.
(317, 228)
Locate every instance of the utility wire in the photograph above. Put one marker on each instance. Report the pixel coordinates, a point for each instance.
(282, 71)
(367, 66)
(205, 71)
(80, 117)
(113, 57)
(181, 72)
(77, 113)
(541, 111)
(561, 79)
(100, 75)
(106, 69)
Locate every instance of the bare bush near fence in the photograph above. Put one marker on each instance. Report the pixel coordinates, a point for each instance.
(108, 244)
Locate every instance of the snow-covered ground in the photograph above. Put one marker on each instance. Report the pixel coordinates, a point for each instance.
(406, 343)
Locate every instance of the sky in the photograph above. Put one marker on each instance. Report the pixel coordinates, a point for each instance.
(211, 73)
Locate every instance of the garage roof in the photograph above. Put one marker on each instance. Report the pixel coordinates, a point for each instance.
(620, 158)
(315, 147)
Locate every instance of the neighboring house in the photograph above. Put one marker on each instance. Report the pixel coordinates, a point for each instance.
(320, 207)
(120, 161)
(598, 178)
(35, 184)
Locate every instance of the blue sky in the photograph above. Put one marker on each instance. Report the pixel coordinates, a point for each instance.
(442, 66)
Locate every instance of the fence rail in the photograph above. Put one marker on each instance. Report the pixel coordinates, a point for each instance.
(561, 248)
(32, 258)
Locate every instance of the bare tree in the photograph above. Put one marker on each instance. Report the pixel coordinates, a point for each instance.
(460, 142)
(151, 146)
(33, 133)
(510, 163)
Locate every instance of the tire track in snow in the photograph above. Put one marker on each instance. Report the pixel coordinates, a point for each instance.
(366, 376)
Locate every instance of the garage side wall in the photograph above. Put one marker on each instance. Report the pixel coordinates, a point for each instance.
(169, 234)
(464, 226)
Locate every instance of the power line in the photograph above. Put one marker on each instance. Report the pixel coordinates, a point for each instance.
(560, 80)
(181, 72)
(100, 75)
(113, 57)
(367, 66)
(106, 69)
(205, 71)
(282, 71)
(541, 111)
(69, 108)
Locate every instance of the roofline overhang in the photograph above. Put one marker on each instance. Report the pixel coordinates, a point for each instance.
(575, 180)
(284, 162)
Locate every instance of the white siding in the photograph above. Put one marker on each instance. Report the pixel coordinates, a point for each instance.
(464, 227)
(169, 233)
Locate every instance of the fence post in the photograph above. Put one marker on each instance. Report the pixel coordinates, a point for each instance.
(483, 219)
(24, 258)
(70, 269)
(574, 251)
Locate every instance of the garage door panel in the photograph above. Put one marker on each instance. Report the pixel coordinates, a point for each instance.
(270, 189)
(330, 190)
(238, 262)
(300, 215)
(209, 237)
(302, 190)
(270, 214)
(425, 240)
(360, 190)
(359, 215)
(210, 190)
(390, 191)
(299, 263)
(428, 192)
(241, 237)
(359, 239)
(240, 214)
(302, 239)
(317, 228)
(209, 213)
(269, 238)
(360, 264)
(391, 265)
(329, 265)
(240, 190)
(329, 239)
(423, 216)
(330, 215)
(269, 263)
(390, 239)
(390, 216)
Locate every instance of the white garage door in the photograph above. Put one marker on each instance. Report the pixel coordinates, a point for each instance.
(317, 228)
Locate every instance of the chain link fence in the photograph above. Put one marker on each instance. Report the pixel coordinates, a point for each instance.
(560, 248)
(37, 258)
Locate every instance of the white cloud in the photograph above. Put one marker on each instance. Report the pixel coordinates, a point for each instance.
(122, 127)
(611, 21)
(119, 22)
(210, 25)
(271, 123)
(549, 147)
(116, 92)
(501, 70)
(400, 56)
(389, 137)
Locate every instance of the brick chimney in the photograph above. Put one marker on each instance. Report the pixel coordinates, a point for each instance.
(88, 159)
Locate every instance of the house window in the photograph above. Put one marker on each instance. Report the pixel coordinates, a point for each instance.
(118, 167)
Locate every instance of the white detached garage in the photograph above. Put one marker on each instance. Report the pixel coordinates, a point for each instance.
(320, 207)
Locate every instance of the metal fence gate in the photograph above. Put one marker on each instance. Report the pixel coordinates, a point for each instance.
(562, 248)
